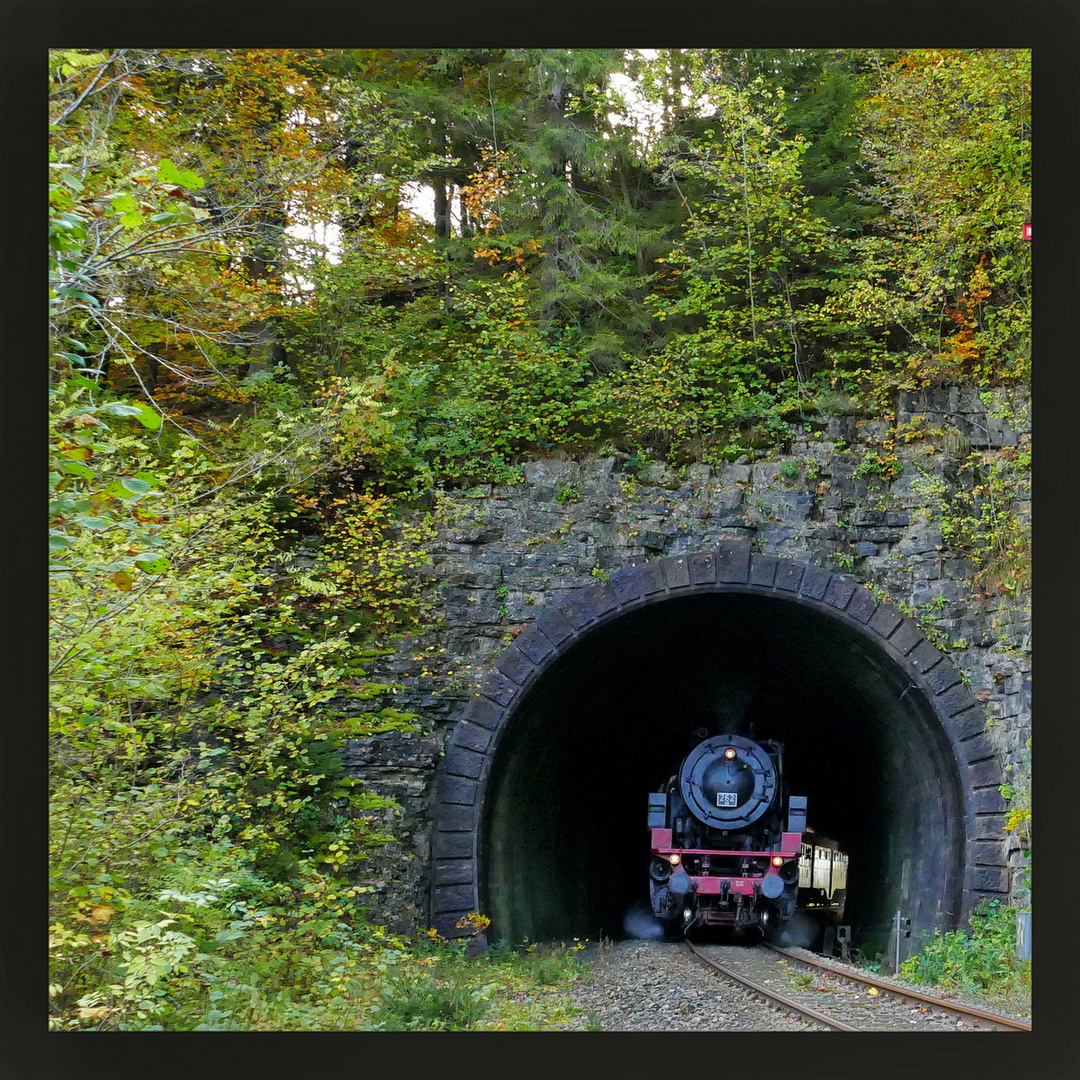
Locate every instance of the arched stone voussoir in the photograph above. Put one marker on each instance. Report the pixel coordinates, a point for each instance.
(515, 665)
(885, 620)
(839, 592)
(702, 567)
(733, 562)
(789, 576)
(632, 583)
(905, 636)
(814, 582)
(471, 736)
(676, 570)
(588, 604)
(484, 712)
(535, 644)
(554, 624)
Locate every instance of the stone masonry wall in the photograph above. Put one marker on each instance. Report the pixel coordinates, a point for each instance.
(502, 552)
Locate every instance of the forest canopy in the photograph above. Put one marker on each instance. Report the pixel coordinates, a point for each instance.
(294, 292)
(671, 251)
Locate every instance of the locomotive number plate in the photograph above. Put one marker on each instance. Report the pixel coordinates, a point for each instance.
(726, 798)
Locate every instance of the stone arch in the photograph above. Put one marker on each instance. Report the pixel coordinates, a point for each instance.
(953, 716)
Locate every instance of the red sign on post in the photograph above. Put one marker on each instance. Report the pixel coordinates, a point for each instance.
(1027, 230)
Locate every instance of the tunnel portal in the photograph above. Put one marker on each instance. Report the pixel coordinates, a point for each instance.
(541, 806)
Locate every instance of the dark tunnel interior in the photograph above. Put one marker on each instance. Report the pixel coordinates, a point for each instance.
(564, 844)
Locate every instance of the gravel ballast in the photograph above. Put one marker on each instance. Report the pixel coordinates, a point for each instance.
(659, 986)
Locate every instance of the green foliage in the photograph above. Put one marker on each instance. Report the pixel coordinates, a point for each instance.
(506, 988)
(733, 283)
(1018, 795)
(1016, 791)
(884, 465)
(984, 960)
(979, 517)
(947, 139)
(497, 387)
(99, 521)
(836, 403)
(928, 616)
(415, 1001)
(552, 966)
(191, 680)
(358, 314)
(166, 247)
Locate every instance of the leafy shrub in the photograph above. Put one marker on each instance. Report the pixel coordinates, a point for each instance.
(414, 1001)
(980, 520)
(191, 744)
(494, 385)
(983, 960)
(547, 966)
(500, 950)
(836, 403)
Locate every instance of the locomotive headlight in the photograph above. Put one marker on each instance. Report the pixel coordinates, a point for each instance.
(729, 753)
(673, 859)
(778, 860)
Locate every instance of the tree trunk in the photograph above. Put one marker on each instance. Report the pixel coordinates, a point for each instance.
(553, 213)
(442, 209)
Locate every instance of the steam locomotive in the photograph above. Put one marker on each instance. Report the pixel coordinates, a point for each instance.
(726, 839)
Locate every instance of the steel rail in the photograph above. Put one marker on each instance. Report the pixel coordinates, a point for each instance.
(772, 995)
(1003, 1023)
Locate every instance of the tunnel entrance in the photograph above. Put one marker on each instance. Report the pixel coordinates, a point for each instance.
(597, 703)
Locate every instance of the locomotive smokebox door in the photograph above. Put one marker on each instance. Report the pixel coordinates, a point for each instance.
(728, 782)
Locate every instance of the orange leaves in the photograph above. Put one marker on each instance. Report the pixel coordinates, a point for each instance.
(514, 253)
(401, 232)
(98, 916)
(965, 347)
(473, 923)
(485, 188)
(980, 284)
(530, 246)
(966, 315)
(99, 1012)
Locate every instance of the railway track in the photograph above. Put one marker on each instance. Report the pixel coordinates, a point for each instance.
(838, 999)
